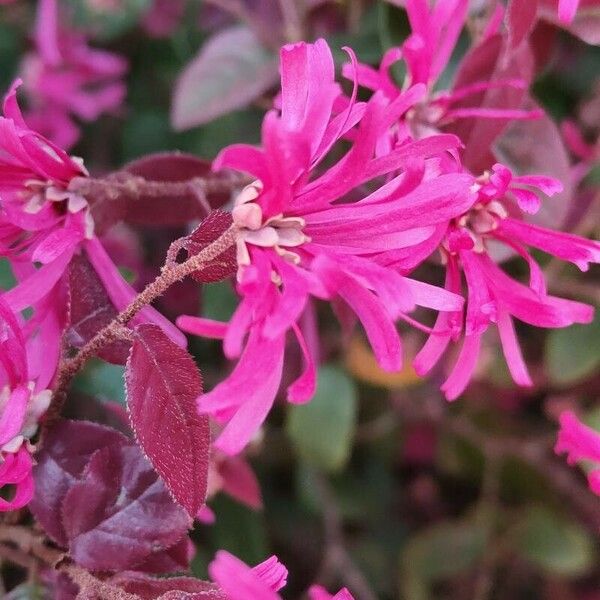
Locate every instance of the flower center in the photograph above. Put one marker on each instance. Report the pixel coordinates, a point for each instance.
(277, 232)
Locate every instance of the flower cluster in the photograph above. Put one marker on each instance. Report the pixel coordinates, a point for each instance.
(65, 78)
(351, 233)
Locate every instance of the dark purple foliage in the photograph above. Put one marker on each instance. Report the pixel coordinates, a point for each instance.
(175, 588)
(67, 449)
(163, 383)
(90, 310)
(120, 513)
(209, 230)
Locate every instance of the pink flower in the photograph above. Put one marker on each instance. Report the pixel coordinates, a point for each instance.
(493, 296)
(262, 582)
(241, 582)
(317, 592)
(567, 10)
(297, 240)
(65, 78)
(43, 221)
(580, 442)
(426, 53)
(23, 400)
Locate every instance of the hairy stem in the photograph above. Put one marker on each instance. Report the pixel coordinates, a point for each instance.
(170, 274)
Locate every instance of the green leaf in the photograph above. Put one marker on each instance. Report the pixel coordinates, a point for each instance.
(573, 353)
(102, 380)
(437, 553)
(107, 21)
(231, 70)
(322, 430)
(554, 544)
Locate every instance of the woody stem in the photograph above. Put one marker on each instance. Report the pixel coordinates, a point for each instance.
(170, 274)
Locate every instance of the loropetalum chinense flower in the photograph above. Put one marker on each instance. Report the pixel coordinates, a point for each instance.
(567, 9)
(580, 443)
(262, 582)
(495, 217)
(44, 222)
(65, 78)
(426, 53)
(493, 296)
(309, 232)
(25, 375)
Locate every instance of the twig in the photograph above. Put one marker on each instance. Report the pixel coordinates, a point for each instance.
(336, 554)
(170, 274)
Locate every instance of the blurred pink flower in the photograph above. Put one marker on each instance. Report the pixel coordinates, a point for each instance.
(580, 443)
(262, 582)
(567, 10)
(65, 78)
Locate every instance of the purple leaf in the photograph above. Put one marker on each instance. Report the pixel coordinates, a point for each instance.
(163, 383)
(486, 62)
(209, 230)
(67, 448)
(536, 147)
(231, 70)
(522, 15)
(173, 560)
(175, 588)
(120, 512)
(90, 310)
(152, 207)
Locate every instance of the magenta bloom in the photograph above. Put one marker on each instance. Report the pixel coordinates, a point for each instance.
(304, 233)
(493, 296)
(580, 442)
(65, 78)
(567, 10)
(24, 398)
(44, 222)
(240, 582)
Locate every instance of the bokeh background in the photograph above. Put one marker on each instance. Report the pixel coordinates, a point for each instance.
(379, 475)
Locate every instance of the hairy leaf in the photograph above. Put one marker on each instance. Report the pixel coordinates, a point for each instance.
(67, 448)
(231, 70)
(174, 588)
(163, 383)
(120, 512)
(209, 230)
(149, 206)
(90, 310)
(173, 560)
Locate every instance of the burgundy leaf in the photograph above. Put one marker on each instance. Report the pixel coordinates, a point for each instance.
(522, 15)
(208, 231)
(120, 512)
(231, 70)
(151, 206)
(537, 147)
(67, 448)
(175, 588)
(163, 383)
(173, 560)
(90, 310)
(486, 62)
